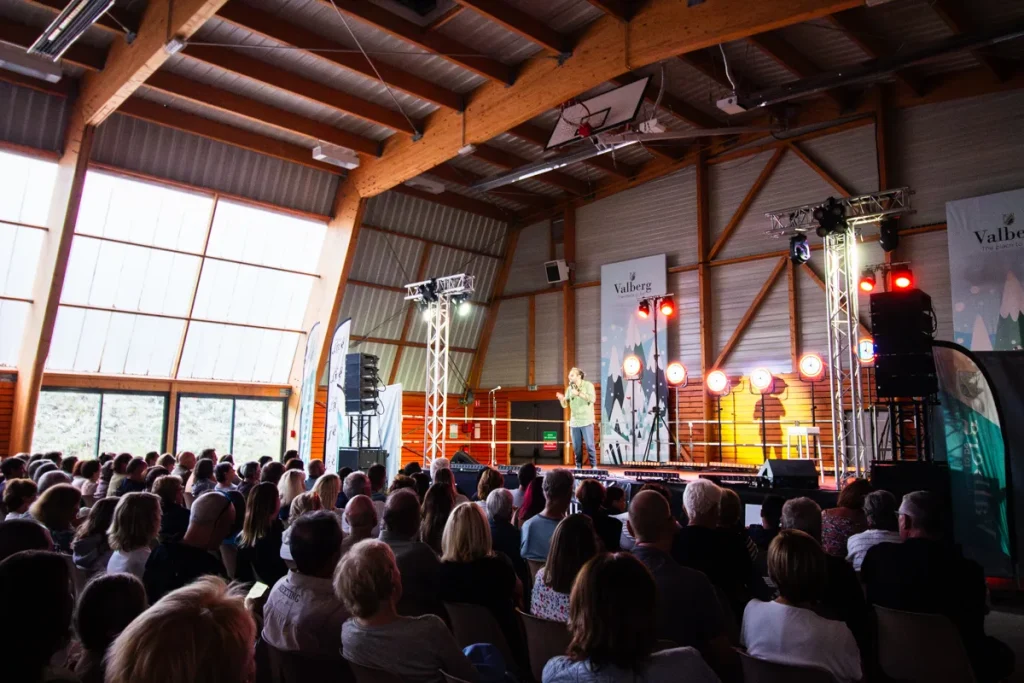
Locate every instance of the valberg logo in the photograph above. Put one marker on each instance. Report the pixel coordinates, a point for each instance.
(632, 286)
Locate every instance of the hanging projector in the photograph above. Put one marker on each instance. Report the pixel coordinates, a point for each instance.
(731, 105)
(336, 155)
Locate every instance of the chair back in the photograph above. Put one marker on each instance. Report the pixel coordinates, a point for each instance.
(535, 566)
(281, 666)
(452, 679)
(544, 639)
(761, 671)
(364, 674)
(732, 626)
(917, 647)
(475, 624)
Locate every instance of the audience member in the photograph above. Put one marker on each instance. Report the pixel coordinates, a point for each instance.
(358, 484)
(422, 480)
(438, 464)
(787, 630)
(590, 495)
(378, 476)
(91, 550)
(730, 520)
(272, 473)
(533, 502)
(250, 477)
(417, 562)
(437, 507)
(316, 469)
(120, 472)
(368, 582)
(88, 477)
(771, 516)
(527, 473)
(361, 520)
(291, 485)
(411, 469)
(167, 461)
(174, 564)
(54, 456)
(613, 635)
(213, 638)
(265, 460)
(841, 522)
(447, 477)
(57, 510)
(471, 572)
(202, 477)
(151, 458)
(136, 525)
(343, 475)
(224, 475)
(701, 545)
(302, 613)
(402, 481)
(105, 608)
(53, 478)
(154, 473)
(574, 543)
(42, 467)
(294, 463)
(688, 612)
(538, 530)
(927, 573)
(301, 504)
(17, 535)
(37, 607)
(186, 463)
(259, 543)
(490, 480)
(506, 536)
(106, 476)
(12, 468)
(615, 501)
(19, 495)
(883, 527)
(327, 488)
(173, 513)
(68, 464)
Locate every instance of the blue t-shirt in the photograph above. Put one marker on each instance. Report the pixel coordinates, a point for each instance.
(677, 664)
(536, 539)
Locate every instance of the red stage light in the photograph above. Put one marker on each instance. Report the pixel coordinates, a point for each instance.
(667, 308)
(811, 366)
(644, 309)
(902, 279)
(631, 367)
(675, 373)
(867, 283)
(717, 383)
(762, 380)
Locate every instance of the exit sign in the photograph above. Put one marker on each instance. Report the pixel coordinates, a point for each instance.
(551, 440)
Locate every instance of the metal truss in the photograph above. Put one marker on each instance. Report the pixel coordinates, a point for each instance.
(435, 298)
(861, 210)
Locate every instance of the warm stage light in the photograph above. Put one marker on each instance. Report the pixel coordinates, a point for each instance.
(631, 367)
(717, 383)
(902, 279)
(867, 282)
(866, 350)
(762, 380)
(667, 308)
(811, 366)
(675, 373)
(644, 309)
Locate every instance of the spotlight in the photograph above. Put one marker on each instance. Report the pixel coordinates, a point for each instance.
(867, 282)
(889, 234)
(831, 217)
(631, 367)
(644, 309)
(799, 250)
(675, 374)
(811, 367)
(902, 278)
(426, 315)
(866, 350)
(717, 383)
(464, 309)
(668, 308)
(428, 290)
(762, 380)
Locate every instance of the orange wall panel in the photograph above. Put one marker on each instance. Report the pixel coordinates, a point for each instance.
(7, 380)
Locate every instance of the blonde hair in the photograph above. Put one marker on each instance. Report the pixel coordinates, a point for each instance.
(292, 484)
(136, 522)
(214, 637)
(259, 507)
(304, 502)
(365, 578)
(57, 506)
(467, 535)
(327, 487)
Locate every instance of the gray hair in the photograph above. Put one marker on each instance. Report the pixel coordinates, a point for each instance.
(558, 484)
(52, 478)
(922, 507)
(437, 464)
(499, 504)
(702, 499)
(355, 484)
(804, 515)
(880, 509)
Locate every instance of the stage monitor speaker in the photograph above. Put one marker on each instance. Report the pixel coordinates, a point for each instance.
(902, 323)
(361, 458)
(789, 474)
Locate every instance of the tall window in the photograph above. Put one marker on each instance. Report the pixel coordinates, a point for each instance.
(87, 423)
(246, 428)
(172, 283)
(26, 189)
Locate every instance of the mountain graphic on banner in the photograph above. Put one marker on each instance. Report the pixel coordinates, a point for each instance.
(1010, 328)
(980, 339)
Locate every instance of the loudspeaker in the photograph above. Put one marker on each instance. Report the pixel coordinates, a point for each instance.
(361, 380)
(789, 474)
(361, 458)
(902, 323)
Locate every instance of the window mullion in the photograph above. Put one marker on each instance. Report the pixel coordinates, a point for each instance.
(195, 290)
(99, 427)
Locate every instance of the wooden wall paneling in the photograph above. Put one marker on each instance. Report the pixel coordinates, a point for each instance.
(568, 309)
(7, 382)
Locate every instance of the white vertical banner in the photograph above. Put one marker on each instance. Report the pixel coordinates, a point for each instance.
(336, 434)
(624, 333)
(307, 395)
(389, 427)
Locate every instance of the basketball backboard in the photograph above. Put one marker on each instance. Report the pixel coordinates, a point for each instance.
(602, 112)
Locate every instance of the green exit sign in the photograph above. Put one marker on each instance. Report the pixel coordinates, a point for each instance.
(551, 436)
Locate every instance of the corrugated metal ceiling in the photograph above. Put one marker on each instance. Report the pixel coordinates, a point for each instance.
(32, 118)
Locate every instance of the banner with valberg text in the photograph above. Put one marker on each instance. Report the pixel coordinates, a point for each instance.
(627, 435)
(336, 429)
(307, 395)
(986, 269)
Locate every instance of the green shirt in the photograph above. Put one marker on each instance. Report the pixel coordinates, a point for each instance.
(581, 408)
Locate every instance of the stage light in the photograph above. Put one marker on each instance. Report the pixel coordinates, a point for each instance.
(631, 367)
(717, 383)
(762, 380)
(902, 278)
(867, 282)
(464, 309)
(668, 308)
(866, 350)
(799, 250)
(831, 217)
(889, 234)
(644, 309)
(426, 315)
(811, 367)
(675, 374)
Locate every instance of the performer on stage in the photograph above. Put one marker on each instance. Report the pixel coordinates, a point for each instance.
(579, 399)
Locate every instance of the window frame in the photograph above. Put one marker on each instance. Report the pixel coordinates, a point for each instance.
(235, 398)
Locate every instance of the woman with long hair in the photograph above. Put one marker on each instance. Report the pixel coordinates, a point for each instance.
(90, 550)
(613, 633)
(437, 506)
(327, 487)
(846, 519)
(259, 543)
(202, 477)
(105, 608)
(120, 472)
(572, 545)
(88, 479)
(533, 501)
(106, 476)
(133, 533)
(57, 510)
(292, 484)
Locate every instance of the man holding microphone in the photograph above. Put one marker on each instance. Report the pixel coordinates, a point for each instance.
(579, 398)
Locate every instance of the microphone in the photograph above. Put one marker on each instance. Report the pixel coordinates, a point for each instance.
(497, 388)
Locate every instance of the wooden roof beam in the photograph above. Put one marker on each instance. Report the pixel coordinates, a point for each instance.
(793, 61)
(507, 160)
(522, 24)
(598, 56)
(857, 27)
(447, 16)
(620, 9)
(958, 18)
(275, 28)
(606, 163)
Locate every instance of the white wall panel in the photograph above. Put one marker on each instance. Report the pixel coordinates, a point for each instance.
(533, 249)
(588, 330)
(386, 259)
(422, 218)
(505, 363)
(684, 330)
(374, 312)
(445, 261)
(959, 149)
(811, 309)
(849, 157)
(654, 218)
(766, 340)
(412, 372)
(548, 337)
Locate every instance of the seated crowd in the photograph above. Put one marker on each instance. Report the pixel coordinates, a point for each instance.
(280, 559)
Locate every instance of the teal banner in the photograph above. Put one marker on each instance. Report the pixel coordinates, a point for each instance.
(977, 457)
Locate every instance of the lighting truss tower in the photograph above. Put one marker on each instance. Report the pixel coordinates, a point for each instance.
(435, 298)
(842, 321)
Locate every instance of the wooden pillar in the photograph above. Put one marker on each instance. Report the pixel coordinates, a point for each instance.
(49, 282)
(328, 290)
(707, 351)
(569, 315)
(172, 419)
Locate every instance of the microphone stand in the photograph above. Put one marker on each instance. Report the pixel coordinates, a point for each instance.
(493, 407)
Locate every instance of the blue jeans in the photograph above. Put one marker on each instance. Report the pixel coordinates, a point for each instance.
(581, 436)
